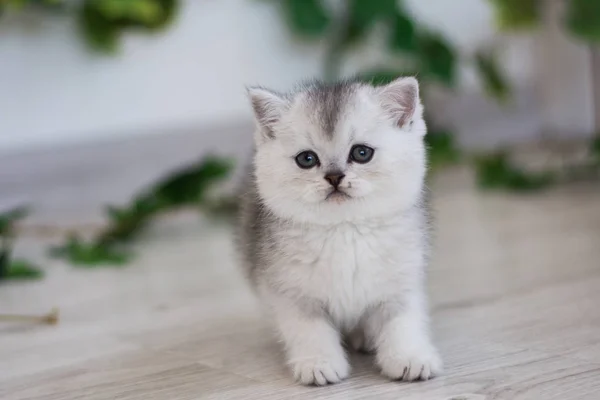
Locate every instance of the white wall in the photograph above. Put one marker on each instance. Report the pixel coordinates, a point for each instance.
(54, 91)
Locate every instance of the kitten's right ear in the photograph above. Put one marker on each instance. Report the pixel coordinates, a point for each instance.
(401, 99)
(268, 107)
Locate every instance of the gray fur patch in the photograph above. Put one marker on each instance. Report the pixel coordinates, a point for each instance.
(329, 101)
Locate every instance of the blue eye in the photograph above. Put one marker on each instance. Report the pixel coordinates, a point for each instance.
(307, 159)
(361, 154)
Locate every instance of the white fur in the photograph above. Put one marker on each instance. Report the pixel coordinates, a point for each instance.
(354, 266)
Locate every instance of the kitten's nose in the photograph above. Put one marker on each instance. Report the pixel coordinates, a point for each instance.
(334, 178)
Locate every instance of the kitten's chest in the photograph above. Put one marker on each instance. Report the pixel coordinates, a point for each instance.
(350, 267)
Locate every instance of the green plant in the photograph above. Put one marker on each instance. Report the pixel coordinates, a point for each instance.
(442, 148)
(582, 17)
(595, 148)
(13, 268)
(184, 188)
(582, 21)
(495, 171)
(517, 14)
(103, 22)
(415, 46)
(413, 49)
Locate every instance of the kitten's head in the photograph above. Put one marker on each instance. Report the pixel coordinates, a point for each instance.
(342, 152)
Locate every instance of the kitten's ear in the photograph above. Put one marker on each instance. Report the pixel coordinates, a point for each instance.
(401, 99)
(268, 107)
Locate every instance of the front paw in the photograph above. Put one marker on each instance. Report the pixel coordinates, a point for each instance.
(320, 370)
(410, 363)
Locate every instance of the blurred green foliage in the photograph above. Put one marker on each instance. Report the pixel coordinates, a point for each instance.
(183, 188)
(441, 147)
(517, 14)
(421, 50)
(432, 56)
(11, 268)
(403, 35)
(495, 171)
(18, 269)
(495, 82)
(103, 22)
(306, 18)
(437, 59)
(9, 218)
(582, 17)
(595, 148)
(95, 253)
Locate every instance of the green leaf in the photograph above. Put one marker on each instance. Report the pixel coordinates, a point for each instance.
(17, 4)
(379, 77)
(90, 254)
(517, 14)
(441, 148)
(148, 12)
(495, 172)
(362, 16)
(367, 12)
(103, 21)
(184, 187)
(306, 18)
(15, 269)
(188, 185)
(5, 259)
(383, 76)
(21, 4)
(437, 58)
(595, 148)
(583, 19)
(110, 9)
(98, 31)
(10, 217)
(403, 35)
(492, 78)
(23, 270)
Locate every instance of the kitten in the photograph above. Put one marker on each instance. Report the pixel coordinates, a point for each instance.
(333, 231)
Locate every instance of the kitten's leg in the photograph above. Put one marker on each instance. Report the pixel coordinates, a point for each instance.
(313, 348)
(401, 334)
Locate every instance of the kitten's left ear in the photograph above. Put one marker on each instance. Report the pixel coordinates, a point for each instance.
(401, 99)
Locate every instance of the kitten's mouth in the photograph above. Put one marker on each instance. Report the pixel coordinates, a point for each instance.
(337, 195)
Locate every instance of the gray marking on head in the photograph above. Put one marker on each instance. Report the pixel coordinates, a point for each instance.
(329, 101)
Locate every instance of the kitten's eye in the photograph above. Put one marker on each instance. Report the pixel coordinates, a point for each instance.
(361, 154)
(307, 159)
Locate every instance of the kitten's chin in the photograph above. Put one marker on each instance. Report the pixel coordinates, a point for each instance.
(335, 210)
(337, 196)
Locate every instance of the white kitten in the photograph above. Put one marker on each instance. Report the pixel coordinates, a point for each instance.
(333, 228)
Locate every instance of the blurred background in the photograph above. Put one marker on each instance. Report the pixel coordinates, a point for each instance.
(117, 113)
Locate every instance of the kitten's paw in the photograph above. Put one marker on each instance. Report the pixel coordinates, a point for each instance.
(411, 364)
(320, 370)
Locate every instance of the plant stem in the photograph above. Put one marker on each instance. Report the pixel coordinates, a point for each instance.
(51, 318)
(332, 64)
(334, 55)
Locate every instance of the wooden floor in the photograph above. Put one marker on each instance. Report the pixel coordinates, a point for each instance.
(515, 288)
